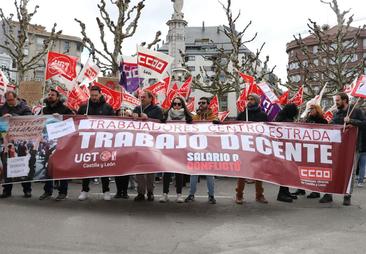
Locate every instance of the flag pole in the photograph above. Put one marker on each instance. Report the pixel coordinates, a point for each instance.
(350, 113)
(44, 85)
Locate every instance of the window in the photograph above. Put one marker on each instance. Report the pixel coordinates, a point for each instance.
(224, 102)
(364, 43)
(66, 46)
(39, 41)
(315, 49)
(190, 58)
(79, 46)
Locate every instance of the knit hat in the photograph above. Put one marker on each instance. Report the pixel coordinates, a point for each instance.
(255, 97)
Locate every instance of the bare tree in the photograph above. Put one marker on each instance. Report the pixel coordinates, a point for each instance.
(333, 58)
(225, 63)
(122, 28)
(18, 38)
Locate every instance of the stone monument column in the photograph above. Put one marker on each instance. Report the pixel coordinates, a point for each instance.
(176, 34)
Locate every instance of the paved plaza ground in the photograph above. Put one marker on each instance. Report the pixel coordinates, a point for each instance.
(124, 226)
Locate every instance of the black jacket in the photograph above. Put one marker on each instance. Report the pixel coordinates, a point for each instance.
(358, 119)
(21, 109)
(256, 115)
(316, 119)
(152, 111)
(58, 108)
(101, 108)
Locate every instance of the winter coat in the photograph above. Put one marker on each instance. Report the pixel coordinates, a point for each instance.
(58, 108)
(256, 115)
(205, 116)
(100, 108)
(21, 109)
(152, 111)
(187, 117)
(316, 119)
(358, 119)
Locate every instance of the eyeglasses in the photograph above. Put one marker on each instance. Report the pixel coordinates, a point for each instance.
(201, 103)
(177, 104)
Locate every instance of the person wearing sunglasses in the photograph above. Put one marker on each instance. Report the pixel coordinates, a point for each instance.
(177, 112)
(204, 113)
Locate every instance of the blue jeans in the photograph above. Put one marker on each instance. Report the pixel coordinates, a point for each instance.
(210, 184)
(362, 167)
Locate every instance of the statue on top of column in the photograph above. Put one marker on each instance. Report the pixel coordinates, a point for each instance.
(178, 6)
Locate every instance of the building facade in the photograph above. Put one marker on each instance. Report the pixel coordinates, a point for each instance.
(298, 62)
(65, 44)
(201, 43)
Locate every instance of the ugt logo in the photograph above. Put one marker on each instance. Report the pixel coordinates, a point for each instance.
(152, 62)
(315, 173)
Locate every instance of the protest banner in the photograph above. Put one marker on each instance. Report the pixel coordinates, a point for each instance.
(306, 156)
(31, 91)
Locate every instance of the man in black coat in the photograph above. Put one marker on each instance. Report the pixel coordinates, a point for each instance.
(96, 105)
(15, 107)
(358, 119)
(255, 114)
(55, 106)
(145, 182)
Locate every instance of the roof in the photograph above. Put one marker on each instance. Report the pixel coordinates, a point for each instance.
(211, 35)
(331, 33)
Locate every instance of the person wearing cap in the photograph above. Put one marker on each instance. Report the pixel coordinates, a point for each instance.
(255, 114)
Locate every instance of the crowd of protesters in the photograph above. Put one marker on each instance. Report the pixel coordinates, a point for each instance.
(97, 105)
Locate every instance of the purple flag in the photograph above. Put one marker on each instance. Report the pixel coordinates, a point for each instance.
(271, 109)
(129, 76)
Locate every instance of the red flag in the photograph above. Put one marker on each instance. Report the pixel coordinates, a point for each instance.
(247, 78)
(328, 116)
(214, 105)
(85, 90)
(298, 98)
(76, 98)
(282, 100)
(222, 115)
(185, 90)
(60, 64)
(129, 101)
(113, 97)
(170, 96)
(161, 86)
(190, 104)
(241, 102)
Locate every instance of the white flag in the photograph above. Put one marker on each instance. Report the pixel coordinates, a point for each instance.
(69, 84)
(89, 73)
(152, 64)
(314, 101)
(272, 97)
(4, 82)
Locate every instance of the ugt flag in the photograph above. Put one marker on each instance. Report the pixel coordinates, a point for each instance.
(59, 64)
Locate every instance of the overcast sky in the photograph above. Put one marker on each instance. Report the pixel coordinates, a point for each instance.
(275, 21)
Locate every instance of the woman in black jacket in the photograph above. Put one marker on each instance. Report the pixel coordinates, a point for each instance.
(177, 112)
(315, 115)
